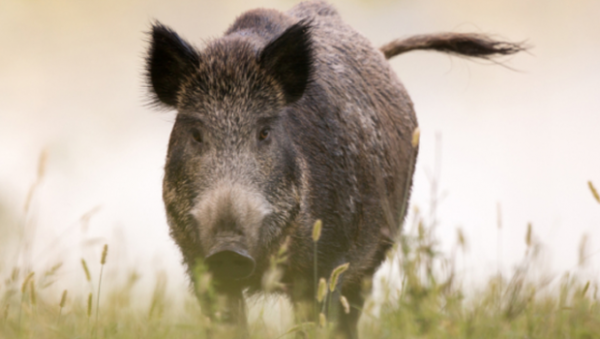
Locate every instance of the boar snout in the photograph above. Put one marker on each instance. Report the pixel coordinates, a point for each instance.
(230, 263)
(229, 217)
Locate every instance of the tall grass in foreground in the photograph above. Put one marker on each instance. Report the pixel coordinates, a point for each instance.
(429, 302)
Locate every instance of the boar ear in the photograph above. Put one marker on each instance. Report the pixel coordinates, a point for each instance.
(289, 59)
(170, 59)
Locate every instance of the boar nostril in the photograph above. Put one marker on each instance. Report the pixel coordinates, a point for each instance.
(230, 264)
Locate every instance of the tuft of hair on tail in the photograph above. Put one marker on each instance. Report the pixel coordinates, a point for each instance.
(461, 44)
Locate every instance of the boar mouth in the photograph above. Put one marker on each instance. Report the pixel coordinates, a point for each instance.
(230, 262)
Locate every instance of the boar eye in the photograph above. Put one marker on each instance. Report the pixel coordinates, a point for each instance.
(264, 133)
(197, 135)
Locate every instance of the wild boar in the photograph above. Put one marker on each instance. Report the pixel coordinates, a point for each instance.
(287, 119)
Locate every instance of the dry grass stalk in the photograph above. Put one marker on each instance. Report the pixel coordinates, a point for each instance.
(41, 171)
(14, 275)
(316, 234)
(102, 262)
(271, 279)
(46, 279)
(157, 304)
(26, 281)
(322, 320)
(88, 276)
(32, 291)
(594, 191)
(63, 301)
(23, 290)
(283, 249)
(302, 327)
(585, 289)
(89, 305)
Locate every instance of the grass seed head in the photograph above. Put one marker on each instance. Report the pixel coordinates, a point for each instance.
(336, 274)
(104, 253)
(316, 234)
(345, 304)
(14, 274)
(594, 191)
(284, 247)
(322, 320)
(461, 239)
(89, 305)
(322, 290)
(585, 289)
(88, 276)
(271, 280)
(63, 299)
(415, 137)
(32, 291)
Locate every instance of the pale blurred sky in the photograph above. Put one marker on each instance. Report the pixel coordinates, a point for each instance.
(71, 81)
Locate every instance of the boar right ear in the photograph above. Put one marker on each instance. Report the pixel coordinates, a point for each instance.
(170, 60)
(289, 59)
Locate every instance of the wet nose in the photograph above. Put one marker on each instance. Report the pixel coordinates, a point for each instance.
(230, 264)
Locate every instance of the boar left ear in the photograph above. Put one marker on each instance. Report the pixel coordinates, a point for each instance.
(289, 59)
(170, 60)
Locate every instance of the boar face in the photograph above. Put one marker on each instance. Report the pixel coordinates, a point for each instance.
(231, 178)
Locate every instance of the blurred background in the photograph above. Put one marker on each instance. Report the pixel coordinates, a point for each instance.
(508, 144)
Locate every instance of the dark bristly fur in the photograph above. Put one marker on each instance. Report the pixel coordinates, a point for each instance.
(465, 44)
(286, 119)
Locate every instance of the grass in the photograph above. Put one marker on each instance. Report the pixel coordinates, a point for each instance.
(429, 300)
(429, 303)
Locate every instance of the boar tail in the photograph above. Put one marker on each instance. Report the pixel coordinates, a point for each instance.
(463, 44)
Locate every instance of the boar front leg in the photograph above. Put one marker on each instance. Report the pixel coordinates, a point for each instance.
(227, 312)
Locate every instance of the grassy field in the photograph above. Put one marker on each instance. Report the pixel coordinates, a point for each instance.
(429, 301)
